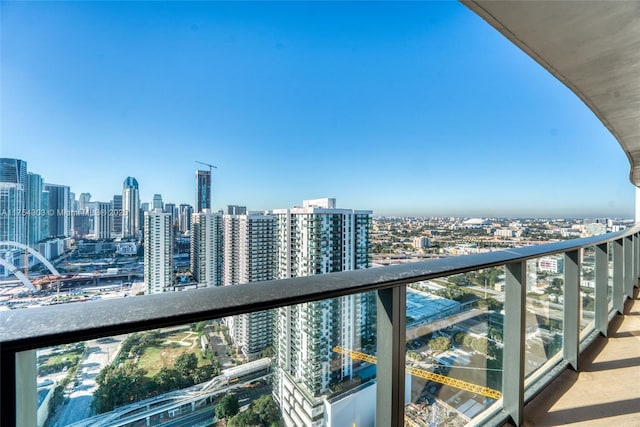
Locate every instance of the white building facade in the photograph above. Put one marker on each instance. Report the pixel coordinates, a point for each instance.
(158, 252)
(206, 248)
(318, 239)
(421, 242)
(249, 256)
(102, 220)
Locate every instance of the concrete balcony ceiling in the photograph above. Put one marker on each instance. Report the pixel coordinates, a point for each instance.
(593, 47)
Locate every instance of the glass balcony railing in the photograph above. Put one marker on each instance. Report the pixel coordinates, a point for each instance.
(467, 339)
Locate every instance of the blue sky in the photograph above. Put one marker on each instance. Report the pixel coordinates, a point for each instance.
(403, 108)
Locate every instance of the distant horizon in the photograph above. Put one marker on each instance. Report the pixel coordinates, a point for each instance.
(498, 217)
(442, 214)
(406, 109)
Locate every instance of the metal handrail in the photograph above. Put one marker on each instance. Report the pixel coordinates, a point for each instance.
(39, 327)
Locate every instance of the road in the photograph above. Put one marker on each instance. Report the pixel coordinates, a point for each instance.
(202, 417)
(77, 405)
(160, 407)
(429, 328)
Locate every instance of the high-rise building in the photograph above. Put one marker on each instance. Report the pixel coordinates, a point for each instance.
(249, 256)
(130, 208)
(35, 211)
(73, 207)
(116, 222)
(186, 211)
(144, 207)
(318, 239)
(102, 220)
(421, 242)
(236, 210)
(45, 209)
(157, 202)
(206, 248)
(83, 218)
(158, 251)
(83, 224)
(59, 211)
(172, 210)
(13, 171)
(203, 190)
(13, 182)
(83, 202)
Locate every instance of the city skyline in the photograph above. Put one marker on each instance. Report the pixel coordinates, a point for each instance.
(404, 108)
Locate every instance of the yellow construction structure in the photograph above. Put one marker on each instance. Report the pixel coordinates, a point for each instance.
(427, 375)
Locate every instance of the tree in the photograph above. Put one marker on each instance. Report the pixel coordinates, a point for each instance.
(132, 340)
(440, 344)
(186, 364)
(149, 339)
(246, 418)
(267, 409)
(458, 338)
(588, 303)
(458, 279)
(495, 334)
(205, 373)
(494, 304)
(414, 355)
(468, 341)
(556, 286)
(169, 379)
(118, 386)
(268, 351)
(479, 345)
(227, 407)
(198, 327)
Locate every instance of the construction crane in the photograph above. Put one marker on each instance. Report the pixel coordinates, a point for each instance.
(211, 167)
(427, 375)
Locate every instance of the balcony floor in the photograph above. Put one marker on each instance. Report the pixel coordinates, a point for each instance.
(606, 390)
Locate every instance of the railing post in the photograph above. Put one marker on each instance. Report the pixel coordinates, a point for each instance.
(634, 271)
(618, 276)
(571, 323)
(7, 388)
(18, 394)
(636, 267)
(628, 269)
(602, 283)
(391, 348)
(514, 338)
(26, 388)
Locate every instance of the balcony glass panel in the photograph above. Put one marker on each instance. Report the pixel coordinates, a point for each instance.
(587, 291)
(182, 373)
(454, 347)
(544, 311)
(150, 377)
(351, 344)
